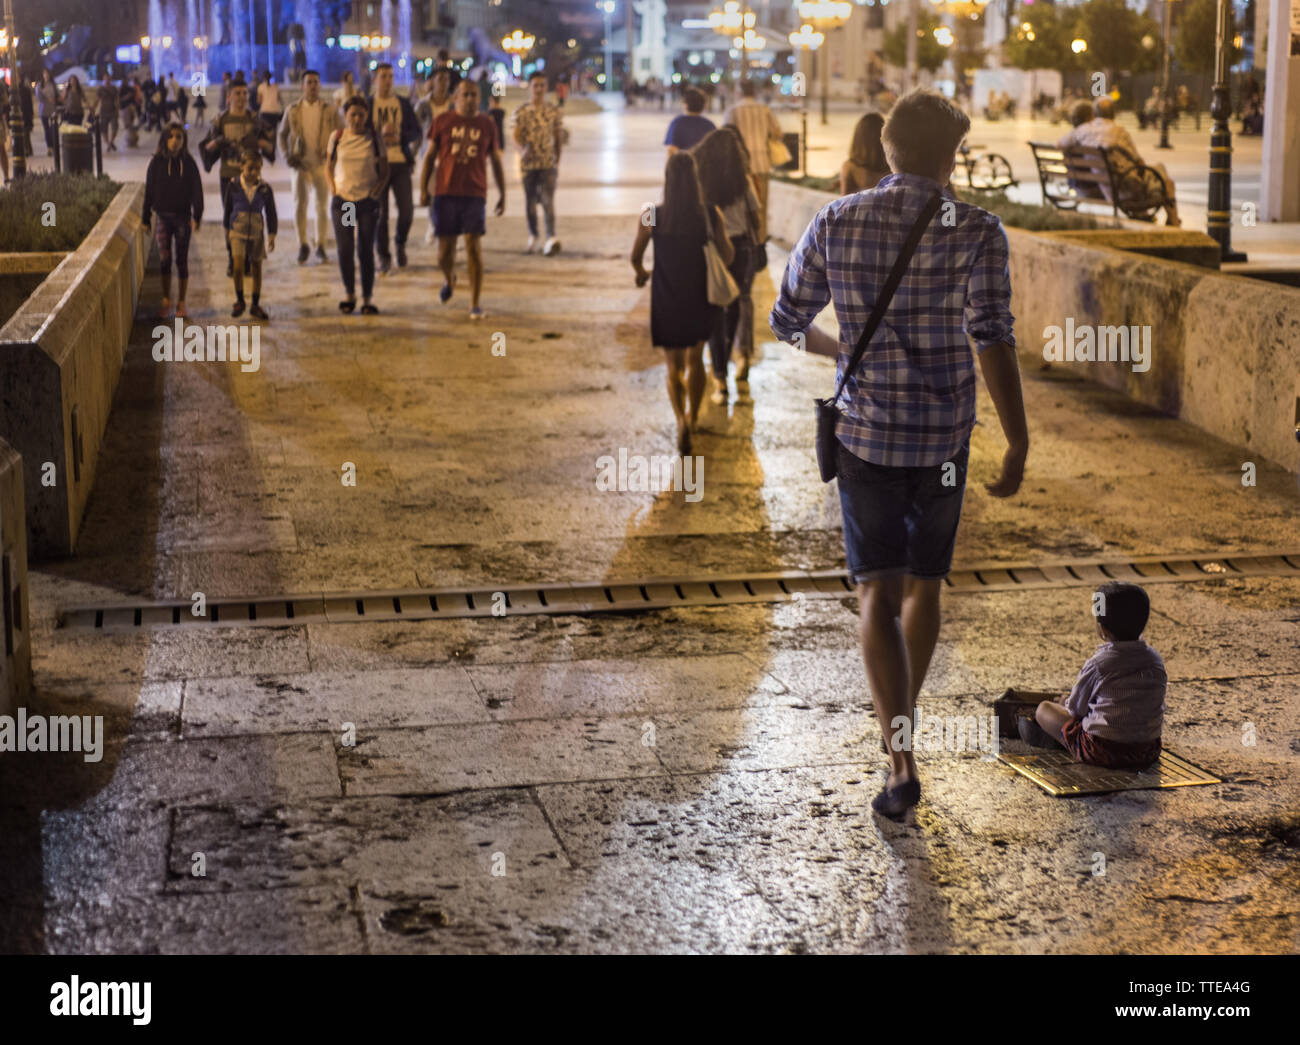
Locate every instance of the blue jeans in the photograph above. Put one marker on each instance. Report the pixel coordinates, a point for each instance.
(356, 238)
(539, 187)
(900, 520)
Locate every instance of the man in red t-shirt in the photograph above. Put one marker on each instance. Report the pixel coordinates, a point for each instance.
(461, 142)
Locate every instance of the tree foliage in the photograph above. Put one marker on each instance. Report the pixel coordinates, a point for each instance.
(930, 54)
(1195, 23)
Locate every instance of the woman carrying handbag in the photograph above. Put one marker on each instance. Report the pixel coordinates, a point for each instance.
(681, 314)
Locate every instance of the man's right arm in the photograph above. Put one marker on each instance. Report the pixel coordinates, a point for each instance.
(804, 288)
(989, 323)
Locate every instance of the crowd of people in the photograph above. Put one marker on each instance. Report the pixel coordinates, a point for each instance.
(355, 156)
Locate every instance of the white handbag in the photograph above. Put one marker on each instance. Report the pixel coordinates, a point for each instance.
(722, 287)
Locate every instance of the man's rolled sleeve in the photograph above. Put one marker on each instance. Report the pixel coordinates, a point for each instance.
(988, 299)
(804, 290)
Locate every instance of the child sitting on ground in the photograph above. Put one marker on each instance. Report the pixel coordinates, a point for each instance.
(1113, 715)
(250, 211)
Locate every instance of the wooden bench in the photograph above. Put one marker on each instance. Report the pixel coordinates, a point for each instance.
(1080, 174)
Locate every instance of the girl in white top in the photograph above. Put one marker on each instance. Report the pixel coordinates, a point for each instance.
(268, 98)
(357, 171)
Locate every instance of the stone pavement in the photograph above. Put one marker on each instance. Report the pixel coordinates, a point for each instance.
(682, 780)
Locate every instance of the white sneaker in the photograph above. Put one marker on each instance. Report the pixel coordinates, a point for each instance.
(552, 247)
(532, 245)
(428, 234)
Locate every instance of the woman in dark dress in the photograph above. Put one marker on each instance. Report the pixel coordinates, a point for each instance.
(681, 318)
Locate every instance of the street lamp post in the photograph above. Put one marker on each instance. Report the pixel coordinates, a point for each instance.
(736, 21)
(806, 39)
(607, 9)
(1164, 80)
(1219, 212)
(825, 15)
(17, 128)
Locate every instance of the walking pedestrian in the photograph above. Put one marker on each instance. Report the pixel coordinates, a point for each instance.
(689, 129)
(268, 102)
(346, 90)
(357, 172)
(305, 139)
(902, 421)
(461, 145)
(234, 130)
(437, 101)
(724, 178)
(74, 101)
(392, 116)
(538, 133)
(681, 317)
(250, 222)
(47, 102)
(758, 126)
(106, 101)
(173, 195)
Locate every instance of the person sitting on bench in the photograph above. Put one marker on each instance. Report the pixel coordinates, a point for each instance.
(1102, 132)
(1114, 714)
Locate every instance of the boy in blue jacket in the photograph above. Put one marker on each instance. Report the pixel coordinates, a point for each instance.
(250, 222)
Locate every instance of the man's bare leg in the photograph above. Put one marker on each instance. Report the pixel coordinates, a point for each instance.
(885, 657)
(920, 628)
(447, 258)
(474, 261)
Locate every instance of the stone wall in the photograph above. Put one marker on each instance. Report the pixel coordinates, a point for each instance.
(60, 357)
(1225, 350)
(15, 625)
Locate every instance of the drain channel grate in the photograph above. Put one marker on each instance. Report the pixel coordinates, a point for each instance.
(649, 594)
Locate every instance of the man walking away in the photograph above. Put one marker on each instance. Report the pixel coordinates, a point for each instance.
(305, 140)
(903, 435)
(757, 126)
(392, 116)
(461, 143)
(537, 133)
(691, 127)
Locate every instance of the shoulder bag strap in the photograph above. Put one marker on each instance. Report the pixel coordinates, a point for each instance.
(887, 292)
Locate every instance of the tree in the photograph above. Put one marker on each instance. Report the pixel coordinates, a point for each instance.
(1194, 36)
(1051, 29)
(1113, 32)
(930, 54)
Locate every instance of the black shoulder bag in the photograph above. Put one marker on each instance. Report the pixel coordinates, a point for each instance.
(828, 415)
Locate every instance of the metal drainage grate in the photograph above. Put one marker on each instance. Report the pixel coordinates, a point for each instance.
(650, 594)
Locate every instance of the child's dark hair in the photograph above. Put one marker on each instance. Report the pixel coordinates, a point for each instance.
(1122, 609)
(250, 152)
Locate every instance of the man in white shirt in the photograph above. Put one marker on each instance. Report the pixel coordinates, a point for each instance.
(305, 140)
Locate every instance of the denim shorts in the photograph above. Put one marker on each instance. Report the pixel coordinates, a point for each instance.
(459, 216)
(900, 520)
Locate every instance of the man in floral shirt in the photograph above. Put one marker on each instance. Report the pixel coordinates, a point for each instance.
(538, 134)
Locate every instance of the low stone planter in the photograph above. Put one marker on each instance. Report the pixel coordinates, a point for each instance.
(1224, 349)
(60, 357)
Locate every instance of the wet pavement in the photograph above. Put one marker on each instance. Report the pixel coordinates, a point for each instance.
(695, 779)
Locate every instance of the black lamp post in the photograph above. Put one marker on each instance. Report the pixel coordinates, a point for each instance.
(17, 125)
(1219, 212)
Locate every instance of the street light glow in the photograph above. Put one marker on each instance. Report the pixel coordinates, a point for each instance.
(1078, 46)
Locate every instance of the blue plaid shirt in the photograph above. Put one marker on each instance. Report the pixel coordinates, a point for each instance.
(912, 401)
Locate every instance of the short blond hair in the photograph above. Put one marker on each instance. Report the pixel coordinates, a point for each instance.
(922, 133)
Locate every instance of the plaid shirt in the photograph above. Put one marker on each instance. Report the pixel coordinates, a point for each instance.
(912, 400)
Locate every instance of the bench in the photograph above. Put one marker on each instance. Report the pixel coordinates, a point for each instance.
(1080, 174)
